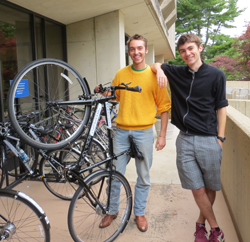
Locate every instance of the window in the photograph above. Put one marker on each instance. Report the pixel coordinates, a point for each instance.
(15, 45)
(25, 36)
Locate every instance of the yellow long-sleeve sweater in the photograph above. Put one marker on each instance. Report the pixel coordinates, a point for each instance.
(137, 110)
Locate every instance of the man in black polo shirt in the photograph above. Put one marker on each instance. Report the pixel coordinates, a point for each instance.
(199, 102)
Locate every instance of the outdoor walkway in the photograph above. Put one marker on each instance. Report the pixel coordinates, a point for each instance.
(171, 210)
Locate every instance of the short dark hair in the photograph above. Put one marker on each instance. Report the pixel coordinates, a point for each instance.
(138, 37)
(188, 38)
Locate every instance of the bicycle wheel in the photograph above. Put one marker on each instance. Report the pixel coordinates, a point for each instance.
(85, 213)
(57, 179)
(97, 151)
(34, 96)
(2, 166)
(21, 218)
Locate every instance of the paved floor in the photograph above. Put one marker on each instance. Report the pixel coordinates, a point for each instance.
(171, 210)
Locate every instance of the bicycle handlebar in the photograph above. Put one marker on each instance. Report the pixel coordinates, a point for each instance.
(87, 100)
(132, 89)
(122, 86)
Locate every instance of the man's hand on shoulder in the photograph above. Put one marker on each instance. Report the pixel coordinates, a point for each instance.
(162, 80)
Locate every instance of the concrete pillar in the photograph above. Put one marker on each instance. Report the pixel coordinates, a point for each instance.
(96, 47)
(150, 56)
(159, 58)
(81, 49)
(110, 45)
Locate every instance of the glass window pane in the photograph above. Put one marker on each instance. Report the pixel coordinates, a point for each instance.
(54, 41)
(15, 45)
(39, 42)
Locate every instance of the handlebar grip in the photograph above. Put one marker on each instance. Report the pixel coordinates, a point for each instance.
(134, 89)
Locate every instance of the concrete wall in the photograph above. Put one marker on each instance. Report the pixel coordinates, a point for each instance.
(150, 56)
(243, 84)
(241, 105)
(96, 47)
(159, 58)
(235, 171)
(235, 89)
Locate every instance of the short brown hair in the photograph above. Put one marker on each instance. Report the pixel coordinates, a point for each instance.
(188, 38)
(138, 37)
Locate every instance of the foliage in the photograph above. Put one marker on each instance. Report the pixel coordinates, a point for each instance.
(7, 55)
(7, 30)
(244, 49)
(228, 65)
(222, 45)
(206, 19)
(178, 60)
(236, 64)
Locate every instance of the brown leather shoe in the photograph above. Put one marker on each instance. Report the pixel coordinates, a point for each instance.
(106, 221)
(142, 223)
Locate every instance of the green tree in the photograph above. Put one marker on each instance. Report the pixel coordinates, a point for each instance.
(229, 65)
(243, 46)
(206, 19)
(222, 45)
(8, 30)
(236, 60)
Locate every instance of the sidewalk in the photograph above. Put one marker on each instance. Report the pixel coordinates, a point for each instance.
(171, 211)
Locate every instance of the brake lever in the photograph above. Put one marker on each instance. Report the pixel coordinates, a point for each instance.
(125, 84)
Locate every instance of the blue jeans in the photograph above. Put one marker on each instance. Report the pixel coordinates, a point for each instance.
(144, 140)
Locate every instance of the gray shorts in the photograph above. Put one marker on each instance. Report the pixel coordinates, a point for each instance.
(198, 161)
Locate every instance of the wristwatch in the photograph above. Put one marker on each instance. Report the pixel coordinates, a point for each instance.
(222, 139)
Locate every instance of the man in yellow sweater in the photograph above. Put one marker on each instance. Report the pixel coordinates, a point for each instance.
(136, 117)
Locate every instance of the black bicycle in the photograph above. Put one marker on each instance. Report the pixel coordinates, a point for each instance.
(45, 87)
(91, 201)
(21, 162)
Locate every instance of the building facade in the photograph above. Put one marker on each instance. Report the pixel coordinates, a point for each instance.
(89, 35)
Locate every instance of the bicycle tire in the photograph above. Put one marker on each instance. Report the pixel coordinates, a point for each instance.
(47, 82)
(97, 151)
(2, 166)
(65, 186)
(84, 218)
(26, 221)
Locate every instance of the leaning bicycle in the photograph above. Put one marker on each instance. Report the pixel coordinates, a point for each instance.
(93, 199)
(23, 164)
(41, 87)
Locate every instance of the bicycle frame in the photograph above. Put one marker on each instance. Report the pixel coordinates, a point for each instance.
(99, 104)
(4, 134)
(91, 133)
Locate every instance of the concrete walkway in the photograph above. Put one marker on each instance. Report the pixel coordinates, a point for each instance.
(171, 211)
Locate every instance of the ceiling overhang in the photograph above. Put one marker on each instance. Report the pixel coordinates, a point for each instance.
(147, 17)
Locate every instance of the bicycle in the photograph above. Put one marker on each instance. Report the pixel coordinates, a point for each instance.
(92, 199)
(101, 131)
(55, 168)
(21, 218)
(51, 167)
(102, 178)
(15, 167)
(37, 88)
